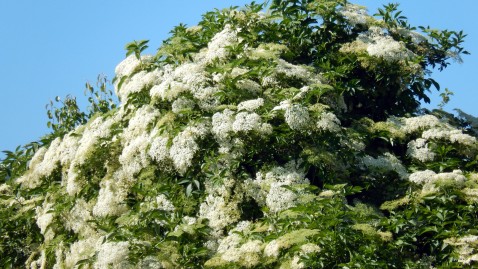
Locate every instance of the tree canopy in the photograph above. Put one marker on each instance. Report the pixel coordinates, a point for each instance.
(280, 135)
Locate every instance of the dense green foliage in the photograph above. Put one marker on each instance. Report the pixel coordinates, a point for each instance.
(291, 138)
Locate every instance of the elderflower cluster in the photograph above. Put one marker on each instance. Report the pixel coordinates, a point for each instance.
(466, 247)
(247, 254)
(44, 218)
(159, 150)
(452, 135)
(296, 237)
(184, 146)
(378, 44)
(355, 14)
(110, 200)
(328, 122)
(269, 187)
(297, 117)
(181, 104)
(217, 48)
(219, 211)
(385, 163)
(79, 217)
(81, 250)
(112, 254)
(419, 123)
(418, 149)
(138, 82)
(430, 180)
(250, 105)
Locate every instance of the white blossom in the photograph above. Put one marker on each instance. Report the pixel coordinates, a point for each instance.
(297, 117)
(250, 105)
(44, 218)
(80, 250)
(418, 123)
(182, 104)
(110, 202)
(139, 81)
(163, 203)
(386, 162)
(112, 255)
(159, 150)
(328, 122)
(219, 212)
(355, 14)
(418, 149)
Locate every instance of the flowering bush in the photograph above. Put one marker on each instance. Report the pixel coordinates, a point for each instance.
(290, 138)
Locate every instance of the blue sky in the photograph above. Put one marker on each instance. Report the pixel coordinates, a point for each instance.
(51, 48)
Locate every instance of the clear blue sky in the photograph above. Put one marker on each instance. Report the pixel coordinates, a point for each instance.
(51, 48)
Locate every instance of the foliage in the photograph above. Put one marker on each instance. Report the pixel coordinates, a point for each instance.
(290, 138)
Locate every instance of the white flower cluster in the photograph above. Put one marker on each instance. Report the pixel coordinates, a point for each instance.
(418, 149)
(297, 117)
(219, 211)
(81, 250)
(79, 217)
(386, 162)
(250, 105)
(185, 146)
(138, 82)
(378, 44)
(429, 179)
(268, 187)
(187, 77)
(466, 247)
(355, 14)
(247, 254)
(44, 218)
(452, 135)
(217, 48)
(112, 255)
(163, 203)
(225, 123)
(384, 46)
(296, 237)
(159, 150)
(328, 122)
(110, 200)
(419, 123)
(181, 104)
